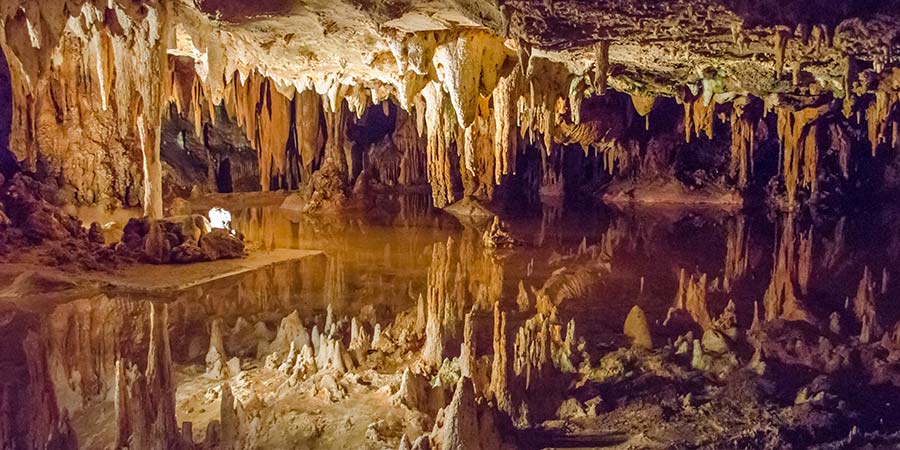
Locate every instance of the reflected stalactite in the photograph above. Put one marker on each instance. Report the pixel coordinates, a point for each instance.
(335, 283)
(551, 214)
(791, 271)
(737, 249)
(30, 415)
(441, 305)
(865, 309)
(691, 297)
(835, 250)
(145, 400)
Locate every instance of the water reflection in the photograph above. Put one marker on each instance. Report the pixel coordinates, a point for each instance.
(794, 266)
(593, 262)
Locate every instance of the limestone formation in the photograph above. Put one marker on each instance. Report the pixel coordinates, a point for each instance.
(637, 328)
(216, 365)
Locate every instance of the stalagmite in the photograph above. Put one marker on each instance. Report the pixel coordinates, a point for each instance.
(291, 333)
(216, 366)
(637, 328)
(413, 392)
(466, 426)
(865, 309)
(359, 341)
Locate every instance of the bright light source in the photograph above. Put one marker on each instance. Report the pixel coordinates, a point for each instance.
(220, 218)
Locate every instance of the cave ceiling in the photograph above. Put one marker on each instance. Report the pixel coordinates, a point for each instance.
(655, 47)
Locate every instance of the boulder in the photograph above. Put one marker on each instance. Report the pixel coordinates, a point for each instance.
(187, 228)
(188, 253)
(221, 244)
(156, 245)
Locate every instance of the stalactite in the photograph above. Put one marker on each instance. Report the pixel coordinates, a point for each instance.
(478, 153)
(505, 137)
(743, 143)
(467, 66)
(643, 104)
(441, 131)
(274, 120)
(412, 150)
(601, 73)
(307, 111)
(698, 116)
(64, 116)
(337, 145)
(780, 41)
(840, 143)
(877, 115)
(799, 152)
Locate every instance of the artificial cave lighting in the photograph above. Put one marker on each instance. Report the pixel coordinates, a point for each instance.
(219, 218)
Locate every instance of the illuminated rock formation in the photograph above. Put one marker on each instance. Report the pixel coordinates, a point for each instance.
(637, 328)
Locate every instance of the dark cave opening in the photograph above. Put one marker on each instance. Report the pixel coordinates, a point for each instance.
(8, 163)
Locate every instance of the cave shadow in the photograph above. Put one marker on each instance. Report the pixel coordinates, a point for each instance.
(8, 163)
(793, 12)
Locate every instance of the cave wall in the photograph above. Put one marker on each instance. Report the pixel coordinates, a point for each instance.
(88, 97)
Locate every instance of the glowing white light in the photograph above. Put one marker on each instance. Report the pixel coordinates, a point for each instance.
(219, 218)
